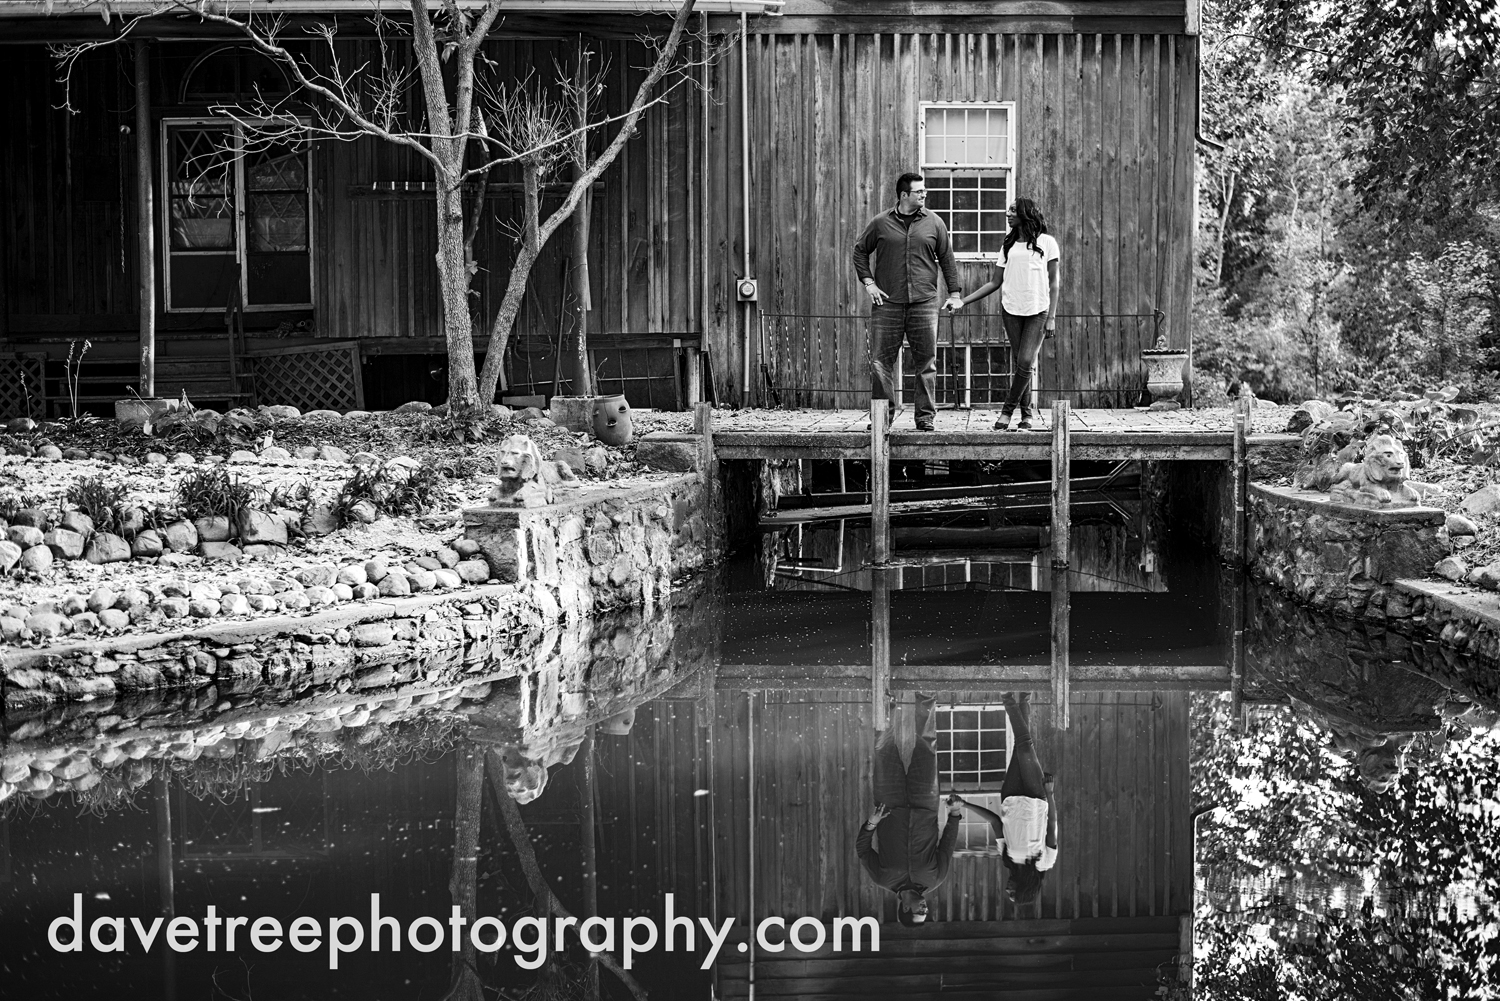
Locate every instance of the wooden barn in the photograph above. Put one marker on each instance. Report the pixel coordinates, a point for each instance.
(316, 285)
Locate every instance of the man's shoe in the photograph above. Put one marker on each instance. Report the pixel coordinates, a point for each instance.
(924, 425)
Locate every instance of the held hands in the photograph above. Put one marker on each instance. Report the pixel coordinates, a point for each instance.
(880, 812)
(954, 304)
(1048, 782)
(877, 296)
(956, 805)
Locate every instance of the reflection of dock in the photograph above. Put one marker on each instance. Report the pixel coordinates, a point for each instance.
(846, 678)
(974, 959)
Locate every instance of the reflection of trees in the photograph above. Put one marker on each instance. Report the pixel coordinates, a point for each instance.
(1295, 826)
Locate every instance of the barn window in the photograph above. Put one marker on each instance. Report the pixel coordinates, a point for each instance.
(968, 161)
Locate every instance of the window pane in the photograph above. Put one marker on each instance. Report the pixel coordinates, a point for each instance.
(202, 223)
(966, 199)
(965, 243)
(993, 222)
(965, 222)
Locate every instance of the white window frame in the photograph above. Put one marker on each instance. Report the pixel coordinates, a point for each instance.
(1008, 168)
(237, 129)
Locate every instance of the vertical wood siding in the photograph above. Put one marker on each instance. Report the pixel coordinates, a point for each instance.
(66, 249)
(1104, 136)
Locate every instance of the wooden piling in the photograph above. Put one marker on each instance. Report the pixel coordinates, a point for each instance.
(880, 483)
(1237, 653)
(880, 647)
(1061, 485)
(1238, 474)
(1062, 606)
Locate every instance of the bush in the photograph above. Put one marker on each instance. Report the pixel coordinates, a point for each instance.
(210, 491)
(100, 500)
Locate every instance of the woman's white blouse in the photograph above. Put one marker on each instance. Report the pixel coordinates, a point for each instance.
(1024, 822)
(1024, 290)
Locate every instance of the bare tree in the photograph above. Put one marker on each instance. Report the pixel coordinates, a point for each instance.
(468, 124)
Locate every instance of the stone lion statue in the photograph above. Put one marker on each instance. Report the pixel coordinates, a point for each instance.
(526, 479)
(1380, 480)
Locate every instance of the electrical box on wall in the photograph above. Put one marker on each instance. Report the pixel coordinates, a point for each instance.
(747, 289)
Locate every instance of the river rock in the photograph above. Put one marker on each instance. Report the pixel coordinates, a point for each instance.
(394, 585)
(84, 623)
(1451, 568)
(321, 596)
(183, 459)
(147, 544)
(173, 608)
(132, 522)
(363, 511)
(317, 575)
(220, 551)
(320, 520)
(365, 592)
(106, 547)
(242, 455)
(466, 548)
(376, 569)
(214, 528)
(332, 453)
(448, 579)
(180, 536)
(274, 453)
(24, 536)
(113, 618)
(134, 602)
(49, 452)
(283, 412)
(260, 529)
(262, 602)
(202, 608)
(414, 407)
(10, 555)
(37, 559)
(12, 629)
(367, 634)
(343, 592)
(234, 604)
(77, 521)
(65, 545)
(421, 580)
(48, 624)
(323, 415)
(1485, 500)
(427, 563)
(72, 605)
(1457, 524)
(101, 598)
(473, 571)
(155, 459)
(33, 516)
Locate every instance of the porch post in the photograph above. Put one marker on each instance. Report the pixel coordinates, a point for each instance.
(145, 222)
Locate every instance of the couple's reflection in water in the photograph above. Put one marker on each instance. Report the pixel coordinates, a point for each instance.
(728, 750)
(899, 845)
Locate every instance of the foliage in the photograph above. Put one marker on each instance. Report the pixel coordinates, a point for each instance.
(1292, 822)
(1429, 427)
(101, 500)
(1324, 264)
(208, 491)
(394, 491)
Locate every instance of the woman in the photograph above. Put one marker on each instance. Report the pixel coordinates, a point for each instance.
(1026, 827)
(1026, 275)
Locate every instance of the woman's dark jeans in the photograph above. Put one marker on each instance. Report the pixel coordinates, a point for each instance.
(1025, 334)
(1023, 772)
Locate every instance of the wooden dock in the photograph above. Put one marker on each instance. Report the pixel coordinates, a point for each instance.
(1118, 435)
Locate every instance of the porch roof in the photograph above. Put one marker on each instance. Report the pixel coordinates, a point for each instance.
(132, 8)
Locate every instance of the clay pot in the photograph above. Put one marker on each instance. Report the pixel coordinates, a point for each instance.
(612, 420)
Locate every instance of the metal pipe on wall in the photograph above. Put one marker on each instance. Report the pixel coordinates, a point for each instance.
(745, 186)
(750, 924)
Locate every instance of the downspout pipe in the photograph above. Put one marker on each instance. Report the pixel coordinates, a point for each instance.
(745, 187)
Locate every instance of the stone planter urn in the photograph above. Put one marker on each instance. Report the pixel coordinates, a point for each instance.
(1164, 374)
(138, 412)
(612, 424)
(576, 413)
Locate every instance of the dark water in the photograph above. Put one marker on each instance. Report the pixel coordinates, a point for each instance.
(719, 750)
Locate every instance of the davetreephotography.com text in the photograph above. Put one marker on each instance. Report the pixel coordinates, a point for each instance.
(531, 938)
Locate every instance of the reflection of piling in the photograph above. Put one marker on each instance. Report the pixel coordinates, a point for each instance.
(1237, 652)
(590, 850)
(880, 647)
(165, 878)
(1062, 455)
(880, 483)
(1061, 607)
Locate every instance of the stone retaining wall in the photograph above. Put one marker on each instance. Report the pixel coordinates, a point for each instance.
(603, 547)
(1338, 557)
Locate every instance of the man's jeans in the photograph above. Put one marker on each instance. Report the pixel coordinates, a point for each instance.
(916, 322)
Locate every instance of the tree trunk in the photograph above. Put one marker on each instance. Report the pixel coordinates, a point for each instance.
(583, 379)
(453, 276)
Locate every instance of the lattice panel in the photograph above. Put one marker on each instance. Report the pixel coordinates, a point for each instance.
(21, 386)
(320, 377)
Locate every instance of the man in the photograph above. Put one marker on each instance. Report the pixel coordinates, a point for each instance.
(912, 858)
(909, 244)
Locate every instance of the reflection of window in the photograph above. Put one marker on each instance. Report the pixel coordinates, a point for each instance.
(967, 155)
(971, 744)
